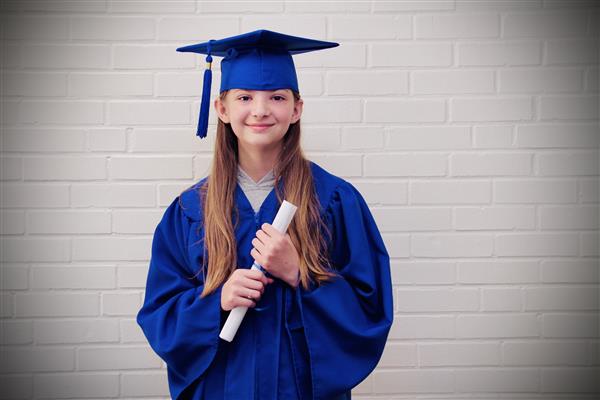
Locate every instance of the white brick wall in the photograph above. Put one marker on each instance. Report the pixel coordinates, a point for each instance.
(470, 127)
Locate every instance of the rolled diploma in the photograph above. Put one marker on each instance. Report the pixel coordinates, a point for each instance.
(281, 222)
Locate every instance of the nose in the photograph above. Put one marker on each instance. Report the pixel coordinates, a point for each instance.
(260, 108)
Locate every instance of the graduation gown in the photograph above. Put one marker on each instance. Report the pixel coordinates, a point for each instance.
(296, 344)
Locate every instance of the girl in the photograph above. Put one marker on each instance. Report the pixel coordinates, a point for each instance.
(318, 319)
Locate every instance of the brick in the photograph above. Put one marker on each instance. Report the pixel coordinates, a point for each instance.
(413, 381)
(452, 82)
(422, 327)
(398, 355)
(64, 6)
(570, 325)
(146, 384)
(497, 326)
(350, 55)
(178, 28)
(568, 217)
(14, 277)
(450, 192)
(499, 53)
(110, 85)
(112, 28)
(43, 140)
(12, 222)
(587, 190)
(168, 141)
(113, 195)
(500, 299)
(121, 304)
(423, 273)
(65, 168)
(12, 168)
(35, 249)
(497, 272)
(106, 139)
(494, 218)
(76, 385)
(491, 109)
(410, 55)
(493, 136)
(408, 164)
(41, 28)
(368, 83)
(568, 107)
(342, 165)
(571, 51)
(362, 138)
(131, 331)
(383, 192)
(16, 387)
(132, 277)
(451, 245)
(239, 7)
(327, 6)
(497, 380)
(557, 135)
(135, 221)
(37, 359)
(152, 7)
(111, 249)
(148, 112)
(428, 138)
(412, 219)
(72, 277)
(397, 245)
(569, 271)
(549, 353)
(438, 300)
(297, 25)
(16, 332)
(536, 244)
(332, 111)
(150, 167)
(110, 358)
(36, 84)
(537, 80)
(150, 57)
(76, 331)
(371, 27)
(472, 25)
(482, 164)
(458, 354)
(570, 380)
(534, 191)
(56, 305)
(66, 56)
(61, 112)
(544, 24)
(589, 244)
(400, 6)
(413, 110)
(320, 138)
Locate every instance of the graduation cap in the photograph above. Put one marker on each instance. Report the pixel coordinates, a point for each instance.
(258, 60)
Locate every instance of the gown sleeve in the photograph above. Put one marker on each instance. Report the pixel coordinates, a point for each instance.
(182, 328)
(347, 320)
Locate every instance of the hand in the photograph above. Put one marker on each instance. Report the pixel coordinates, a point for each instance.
(243, 288)
(277, 254)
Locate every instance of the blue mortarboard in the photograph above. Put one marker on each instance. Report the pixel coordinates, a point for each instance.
(259, 60)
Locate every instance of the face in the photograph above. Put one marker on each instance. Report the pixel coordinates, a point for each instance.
(259, 118)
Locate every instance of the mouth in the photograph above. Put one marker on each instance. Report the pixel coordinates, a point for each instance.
(260, 127)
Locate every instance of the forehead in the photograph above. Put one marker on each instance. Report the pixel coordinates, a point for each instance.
(235, 91)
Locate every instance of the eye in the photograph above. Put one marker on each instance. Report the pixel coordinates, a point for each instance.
(278, 97)
(243, 98)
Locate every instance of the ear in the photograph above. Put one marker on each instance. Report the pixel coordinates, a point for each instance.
(298, 107)
(221, 110)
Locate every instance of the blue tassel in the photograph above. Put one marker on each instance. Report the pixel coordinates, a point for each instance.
(205, 102)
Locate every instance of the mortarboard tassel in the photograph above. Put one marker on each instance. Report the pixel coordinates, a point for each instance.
(205, 102)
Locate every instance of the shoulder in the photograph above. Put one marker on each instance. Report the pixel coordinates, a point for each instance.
(331, 188)
(190, 200)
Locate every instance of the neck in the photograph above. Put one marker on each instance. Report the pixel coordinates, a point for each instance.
(258, 163)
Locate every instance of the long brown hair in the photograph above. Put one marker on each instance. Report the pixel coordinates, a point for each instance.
(307, 230)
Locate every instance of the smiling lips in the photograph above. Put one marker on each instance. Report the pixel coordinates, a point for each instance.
(259, 127)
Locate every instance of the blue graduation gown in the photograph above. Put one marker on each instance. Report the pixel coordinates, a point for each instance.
(296, 344)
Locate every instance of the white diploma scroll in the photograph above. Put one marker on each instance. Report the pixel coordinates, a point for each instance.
(282, 221)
